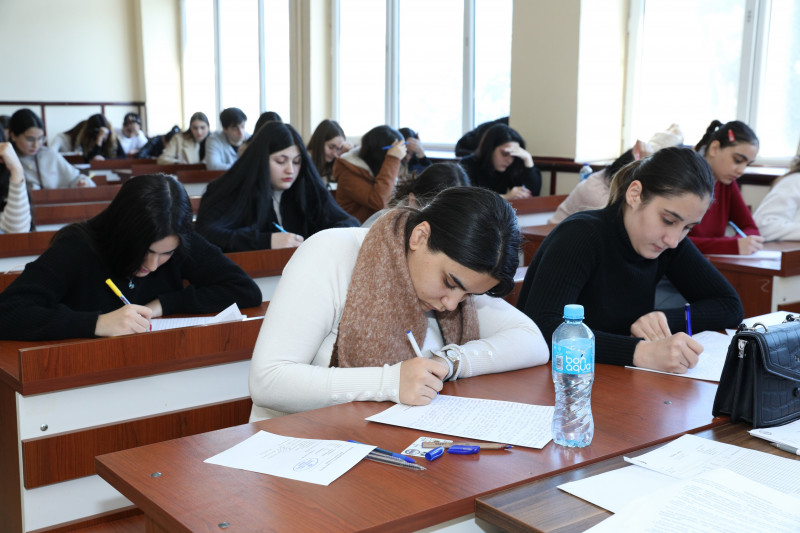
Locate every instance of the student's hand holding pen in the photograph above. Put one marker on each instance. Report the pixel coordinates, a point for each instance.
(286, 240)
(750, 244)
(397, 150)
(130, 318)
(420, 380)
(677, 353)
(651, 327)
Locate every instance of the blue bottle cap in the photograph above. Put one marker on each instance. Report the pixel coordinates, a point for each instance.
(573, 312)
(434, 453)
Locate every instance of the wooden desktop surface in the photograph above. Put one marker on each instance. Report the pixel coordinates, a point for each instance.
(632, 409)
(541, 507)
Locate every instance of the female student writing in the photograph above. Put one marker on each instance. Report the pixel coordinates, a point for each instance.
(188, 146)
(611, 260)
(728, 148)
(44, 168)
(272, 197)
(327, 143)
(143, 242)
(502, 164)
(438, 272)
(366, 177)
(778, 215)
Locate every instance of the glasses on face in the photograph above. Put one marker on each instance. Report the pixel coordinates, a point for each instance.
(30, 139)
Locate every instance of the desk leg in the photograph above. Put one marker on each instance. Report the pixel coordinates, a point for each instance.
(10, 488)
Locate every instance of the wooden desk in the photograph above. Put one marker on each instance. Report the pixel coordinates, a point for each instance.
(541, 507)
(536, 210)
(76, 195)
(632, 409)
(63, 402)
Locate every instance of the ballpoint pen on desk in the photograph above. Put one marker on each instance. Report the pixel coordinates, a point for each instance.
(388, 453)
(481, 445)
(280, 228)
(389, 460)
(737, 229)
(688, 308)
(786, 448)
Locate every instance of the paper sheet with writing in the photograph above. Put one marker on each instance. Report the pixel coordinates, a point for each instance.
(310, 460)
(229, 314)
(514, 423)
(718, 500)
(690, 456)
(788, 434)
(711, 361)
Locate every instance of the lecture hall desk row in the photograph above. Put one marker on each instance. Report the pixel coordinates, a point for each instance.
(632, 409)
(764, 285)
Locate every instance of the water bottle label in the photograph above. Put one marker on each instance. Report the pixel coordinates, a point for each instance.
(577, 357)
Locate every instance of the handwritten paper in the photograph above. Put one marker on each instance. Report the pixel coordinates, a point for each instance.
(230, 314)
(718, 500)
(514, 423)
(309, 460)
(709, 363)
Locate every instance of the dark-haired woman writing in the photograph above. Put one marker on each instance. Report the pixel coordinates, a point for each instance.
(611, 260)
(272, 197)
(353, 293)
(145, 243)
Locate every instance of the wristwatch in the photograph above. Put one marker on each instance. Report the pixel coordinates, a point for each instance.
(453, 358)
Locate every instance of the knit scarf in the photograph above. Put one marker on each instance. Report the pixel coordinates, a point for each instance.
(382, 304)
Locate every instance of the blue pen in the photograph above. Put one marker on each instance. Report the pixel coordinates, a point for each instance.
(737, 230)
(688, 308)
(387, 452)
(390, 145)
(280, 228)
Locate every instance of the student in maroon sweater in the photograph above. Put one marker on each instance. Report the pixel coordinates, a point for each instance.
(728, 148)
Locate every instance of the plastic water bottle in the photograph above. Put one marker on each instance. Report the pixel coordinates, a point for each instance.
(573, 374)
(586, 169)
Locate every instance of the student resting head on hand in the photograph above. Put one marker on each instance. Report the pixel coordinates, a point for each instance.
(501, 163)
(610, 261)
(272, 197)
(335, 330)
(144, 242)
(729, 148)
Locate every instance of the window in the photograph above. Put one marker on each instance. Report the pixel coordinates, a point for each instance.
(451, 72)
(693, 62)
(236, 54)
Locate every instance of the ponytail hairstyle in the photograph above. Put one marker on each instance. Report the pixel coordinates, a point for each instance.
(475, 228)
(729, 134)
(668, 173)
(430, 182)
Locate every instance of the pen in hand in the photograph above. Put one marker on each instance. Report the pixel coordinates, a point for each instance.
(280, 228)
(688, 308)
(117, 291)
(737, 229)
(413, 343)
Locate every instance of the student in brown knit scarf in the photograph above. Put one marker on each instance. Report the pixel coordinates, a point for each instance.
(335, 330)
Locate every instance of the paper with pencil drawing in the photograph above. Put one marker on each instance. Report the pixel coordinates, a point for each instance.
(519, 424)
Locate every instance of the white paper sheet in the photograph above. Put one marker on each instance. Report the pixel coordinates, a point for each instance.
(719, 500)
(711, 361)
(309, 460)
(769, 255)
(690, 456)
(788, 434)
(230, 314)
(514, 423)
(614, 490)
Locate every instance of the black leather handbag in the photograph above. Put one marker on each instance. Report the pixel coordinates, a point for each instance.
(760, 381)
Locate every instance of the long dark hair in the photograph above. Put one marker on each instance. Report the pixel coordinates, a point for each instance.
(476, 228)
(669, 172)
(372, 144)
(728, 134)
(430, 182)
(197, 116)
(245, 190)
(326, 130)
(88, 136)
(146, 209)
(495, 136)
(21, 121)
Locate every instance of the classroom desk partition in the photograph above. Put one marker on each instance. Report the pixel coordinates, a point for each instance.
(63, 402)
(537, 209)
(632, 409)
(76, 195)
(540, 507)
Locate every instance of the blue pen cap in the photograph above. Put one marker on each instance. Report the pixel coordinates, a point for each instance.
(460, 449)
(434, 453)
(573, 312)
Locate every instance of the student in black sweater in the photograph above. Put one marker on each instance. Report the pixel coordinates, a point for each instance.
(273, 183)
(143, 242)
(610, 261)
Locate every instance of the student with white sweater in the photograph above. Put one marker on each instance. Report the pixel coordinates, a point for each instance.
(778, 215)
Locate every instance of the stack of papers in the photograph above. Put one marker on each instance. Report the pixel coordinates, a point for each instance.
(788, 434)
(231, 314)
